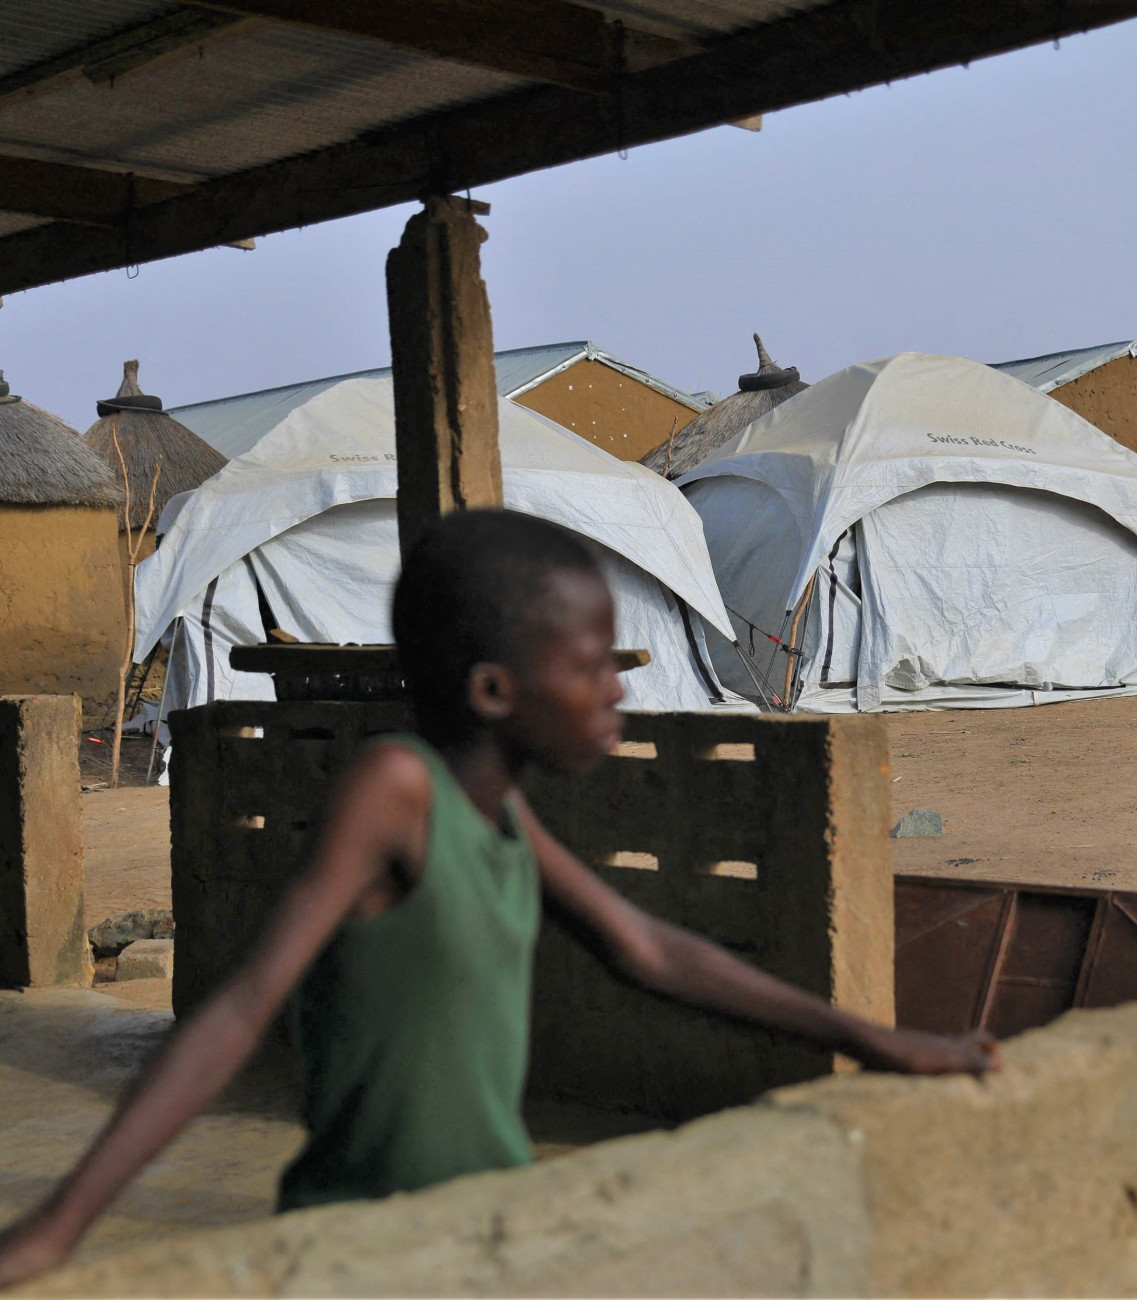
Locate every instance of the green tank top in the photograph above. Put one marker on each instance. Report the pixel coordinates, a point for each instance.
(414, 1023)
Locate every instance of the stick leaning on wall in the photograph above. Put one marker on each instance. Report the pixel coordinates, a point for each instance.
(133, 550)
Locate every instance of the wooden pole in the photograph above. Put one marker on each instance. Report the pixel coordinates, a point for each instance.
(133, 550)
(446, 435)
(802, 605)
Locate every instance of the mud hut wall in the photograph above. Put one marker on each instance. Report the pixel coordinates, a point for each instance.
(769, 835)
(1107, 397)
(617, 412)
(62, 614)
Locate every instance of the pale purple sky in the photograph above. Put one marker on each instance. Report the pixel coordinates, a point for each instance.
(989, 212)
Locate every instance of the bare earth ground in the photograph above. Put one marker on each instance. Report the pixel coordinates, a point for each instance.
(127, 859)
(1040, 795)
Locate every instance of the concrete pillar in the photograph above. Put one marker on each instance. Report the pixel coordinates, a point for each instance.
(442, 359)
(43, 931)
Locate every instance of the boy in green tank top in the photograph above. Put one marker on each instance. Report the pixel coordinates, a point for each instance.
(410, 934)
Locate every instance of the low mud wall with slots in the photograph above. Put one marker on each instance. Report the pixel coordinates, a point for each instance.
(767, 834)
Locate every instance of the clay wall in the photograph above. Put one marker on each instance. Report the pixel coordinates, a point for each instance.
(615, 411)
(62, 617)
(1106, 397)
(1024, 1183)
(768, 834)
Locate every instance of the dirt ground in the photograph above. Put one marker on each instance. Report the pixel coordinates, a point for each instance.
(127, 859)
(1036, 795)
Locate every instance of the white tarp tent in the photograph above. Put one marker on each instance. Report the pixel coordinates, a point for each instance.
(962, 539)
(303, 525)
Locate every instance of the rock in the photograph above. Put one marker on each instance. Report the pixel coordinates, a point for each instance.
(920, 821)
(146, 959)
(111, 936)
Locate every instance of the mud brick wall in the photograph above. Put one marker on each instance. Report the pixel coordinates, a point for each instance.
(767, 834)
(43, 932)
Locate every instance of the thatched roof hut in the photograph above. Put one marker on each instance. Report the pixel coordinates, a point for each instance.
(147, 436)
(43, 461)
(758, 393)
(60, 573)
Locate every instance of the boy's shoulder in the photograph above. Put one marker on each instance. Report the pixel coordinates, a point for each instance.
(392, 776)
(399, 763)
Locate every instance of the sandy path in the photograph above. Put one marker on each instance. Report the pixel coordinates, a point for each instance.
(1037, 795)
(127, 859)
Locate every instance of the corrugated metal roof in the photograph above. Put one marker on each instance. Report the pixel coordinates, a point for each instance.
(1057, 368)
(701, 18)
(247, 101)
(34, 33)
(518, 371)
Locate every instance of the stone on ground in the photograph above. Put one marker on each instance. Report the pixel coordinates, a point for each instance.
(111, 936)
(920, 821)
(146, 959)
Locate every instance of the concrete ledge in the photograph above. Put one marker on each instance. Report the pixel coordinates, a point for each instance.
(1022, 1184)
(146, 959)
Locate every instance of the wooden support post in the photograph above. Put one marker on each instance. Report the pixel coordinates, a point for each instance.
(442, 360)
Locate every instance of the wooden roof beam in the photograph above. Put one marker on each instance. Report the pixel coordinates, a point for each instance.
(84, 195)
(172, 36)
(827, 51)
(552, 41)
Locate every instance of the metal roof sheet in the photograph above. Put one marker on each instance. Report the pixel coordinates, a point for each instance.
(1057, 368)
(234, 424)
(245, 102)
(34, 33)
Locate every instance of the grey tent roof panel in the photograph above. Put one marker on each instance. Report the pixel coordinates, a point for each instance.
(1057, 368)
(234, 424)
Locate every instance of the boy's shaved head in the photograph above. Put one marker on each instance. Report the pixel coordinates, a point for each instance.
(477, 587)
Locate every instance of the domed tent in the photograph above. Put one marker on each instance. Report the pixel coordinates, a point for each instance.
(301, 530)
(147, 437)
(758, 394)
(941, 535)
(62, 627)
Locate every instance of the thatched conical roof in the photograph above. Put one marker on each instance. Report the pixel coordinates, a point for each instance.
(758, 393)
(147, 436)
(43, 461)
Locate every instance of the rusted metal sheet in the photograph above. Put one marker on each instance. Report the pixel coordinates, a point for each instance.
(1007, 957)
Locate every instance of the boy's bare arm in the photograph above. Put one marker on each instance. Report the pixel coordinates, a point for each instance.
(684, 965)
(380, 811)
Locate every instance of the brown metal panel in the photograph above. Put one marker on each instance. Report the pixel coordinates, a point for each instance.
(998, 958)
(923, 905)
(946, 937)
(1050, 936)
(1045, 954)
(1019, 1007)
(1008, 957)
(1113, 976)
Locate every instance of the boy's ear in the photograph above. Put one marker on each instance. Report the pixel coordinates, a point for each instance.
(492, 691)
